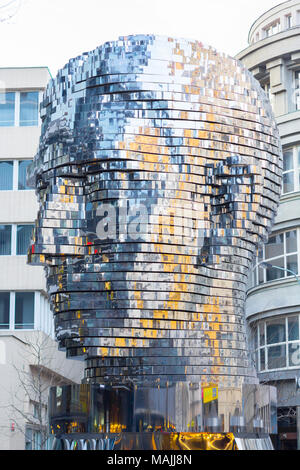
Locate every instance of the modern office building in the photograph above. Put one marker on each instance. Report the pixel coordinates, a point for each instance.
(28, 353)
(273, 305)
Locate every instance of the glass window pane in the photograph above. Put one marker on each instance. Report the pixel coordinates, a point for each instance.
(288, 182)
(24, 310)
(255, 358)
(292, 265)
(254, 338)
(277, 271)
(297, 96)
(268, 31)
(253, 281)
(297, 74)
(6, 176)
(288, 161)
(293, 328)
(7, 109)
(5, 239)
(4, 310)
(29, 103)
(294, 355)
(22, 184)
(276, 357)
(262, 334)
(37, 440)
(276, 28)
(291, 241)
(24, 233)
(274, 246)
(262, 359)
(261, 275)
(276, 331)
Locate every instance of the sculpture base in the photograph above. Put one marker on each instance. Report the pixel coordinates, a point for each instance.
(162, 441)
(179, 416)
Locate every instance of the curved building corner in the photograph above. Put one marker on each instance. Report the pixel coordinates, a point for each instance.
(273, 302)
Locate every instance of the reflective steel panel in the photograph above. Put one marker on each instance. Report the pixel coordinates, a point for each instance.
(158, 175)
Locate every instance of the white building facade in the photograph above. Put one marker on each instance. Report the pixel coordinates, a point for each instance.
(26, 323)
(273, 304)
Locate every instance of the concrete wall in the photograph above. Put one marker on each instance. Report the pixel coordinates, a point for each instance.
(274, 61)
(19, 366)
(18, 142)
(18, 206)
(24, 78)
(279, 12)
(16, 350)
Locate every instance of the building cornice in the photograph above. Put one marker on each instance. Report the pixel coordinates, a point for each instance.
(267, 15)
(287, 41)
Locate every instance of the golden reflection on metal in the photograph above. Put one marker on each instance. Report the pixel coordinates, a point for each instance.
(172, 127)
(176, 441)
(204, 441)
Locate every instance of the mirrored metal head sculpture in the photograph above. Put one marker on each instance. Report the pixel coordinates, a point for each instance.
(158, 174)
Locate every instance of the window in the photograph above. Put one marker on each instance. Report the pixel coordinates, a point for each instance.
(272, 29)
(13, 175)
(23, 165)
(6, 176)
(288, 21)
(24, 310)
(281, 254)
(36, 410)
(5, 239)
(17, 310)
(297, 89)
(275, 331)
(288, 171)
(7, 109)
(268, 32)
(24, 233)
(29, 104)
(19, 108)
(15, 239)
(276, 343)
(291, 170)
(4, 310)
(35, 440)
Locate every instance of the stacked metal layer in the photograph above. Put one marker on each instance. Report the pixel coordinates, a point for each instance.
(158, 174)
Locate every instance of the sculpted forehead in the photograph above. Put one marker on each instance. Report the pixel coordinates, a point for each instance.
(154, 108)
(157, 87)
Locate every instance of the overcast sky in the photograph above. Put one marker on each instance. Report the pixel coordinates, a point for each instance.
(49, 32)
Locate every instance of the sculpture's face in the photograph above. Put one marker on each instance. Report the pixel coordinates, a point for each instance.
(158, 174)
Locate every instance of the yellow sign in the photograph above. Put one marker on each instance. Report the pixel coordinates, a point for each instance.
(209, 393)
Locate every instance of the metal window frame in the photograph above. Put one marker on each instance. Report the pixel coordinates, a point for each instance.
(285, 274)
(266, 346)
